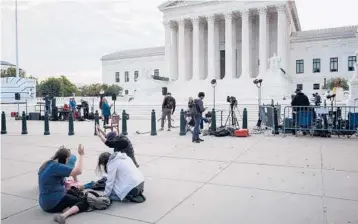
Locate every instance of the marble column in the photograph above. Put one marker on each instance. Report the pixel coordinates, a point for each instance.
(263, 41)
(196, 49)
(211, 48)
(281, 34)
(230, 65)
(245, 44)
(168, 50)
(182, 59)
(174, 51)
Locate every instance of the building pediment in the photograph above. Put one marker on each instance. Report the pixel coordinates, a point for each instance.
(177, 4)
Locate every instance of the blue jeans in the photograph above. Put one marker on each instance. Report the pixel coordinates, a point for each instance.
(114, 197)
(196, 128)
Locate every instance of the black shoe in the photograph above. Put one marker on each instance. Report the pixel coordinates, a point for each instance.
(201, 140)
(197, 141)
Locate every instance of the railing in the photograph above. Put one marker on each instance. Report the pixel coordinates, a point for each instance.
(321, 121)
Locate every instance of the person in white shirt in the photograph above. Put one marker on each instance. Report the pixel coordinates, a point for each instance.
(124, 180)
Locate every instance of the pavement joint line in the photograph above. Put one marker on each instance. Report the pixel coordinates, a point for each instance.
(18, 196)
(263, 189)
(19, 212)
(338, 198)
(119, 216)
(323, 188)
(12, 177)
(202, 185)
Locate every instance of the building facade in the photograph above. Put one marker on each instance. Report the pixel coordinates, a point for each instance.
(233, 41)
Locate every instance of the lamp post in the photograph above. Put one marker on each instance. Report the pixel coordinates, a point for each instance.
(258, 83)
(213, 84)
(16, 41)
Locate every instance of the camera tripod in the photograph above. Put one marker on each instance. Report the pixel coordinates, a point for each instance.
(231, 120)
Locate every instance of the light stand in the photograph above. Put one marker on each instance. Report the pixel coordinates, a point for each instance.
(213, 84)
(258, 83)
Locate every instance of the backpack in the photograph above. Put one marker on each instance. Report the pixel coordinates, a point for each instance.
(100, 185)
(97, 202)
(194, 109)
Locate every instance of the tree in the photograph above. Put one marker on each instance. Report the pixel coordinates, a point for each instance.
(68, 87)
(95, 89)
(56, 87)
(51, 86)
(338, 82)
(11, 72)
(113, 89)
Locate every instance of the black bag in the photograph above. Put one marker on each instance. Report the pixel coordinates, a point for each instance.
(76, 192)
(100, 185)
(222, 132)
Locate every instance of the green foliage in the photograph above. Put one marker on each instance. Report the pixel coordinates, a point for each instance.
(95, 89)
(60, 86)
(337, 82)
(11, 72)
(51, 86)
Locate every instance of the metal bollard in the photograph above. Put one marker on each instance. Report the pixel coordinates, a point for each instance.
(182, 123)
(96, 121)
(47, 125)
(244, 119)
(124, 123)
(213, 121)
(3, 123)
(24, 125)
(70, 124)
(153, 130)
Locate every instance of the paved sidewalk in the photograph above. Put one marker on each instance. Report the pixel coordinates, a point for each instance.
(256, 180)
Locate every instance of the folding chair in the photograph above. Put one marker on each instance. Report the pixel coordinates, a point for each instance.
(114, 123)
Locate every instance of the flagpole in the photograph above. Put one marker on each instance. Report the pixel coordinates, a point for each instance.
(17, 47)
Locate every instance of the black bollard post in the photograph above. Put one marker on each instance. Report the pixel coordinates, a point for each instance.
(244, 119)
(213, 121)
(182, 123)
(153, 130)
(3, 123)
(70, 124)
(124, 123)
(47, 125)
(24, 125)
(96, 121)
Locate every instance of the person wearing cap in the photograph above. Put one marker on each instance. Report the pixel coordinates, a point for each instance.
(119, 142)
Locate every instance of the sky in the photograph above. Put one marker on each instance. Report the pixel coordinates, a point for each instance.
(58, 37)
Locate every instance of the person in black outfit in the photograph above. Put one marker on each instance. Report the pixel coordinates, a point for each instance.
(299, 102)
(85, 107)
(168, 108)
(119, 142)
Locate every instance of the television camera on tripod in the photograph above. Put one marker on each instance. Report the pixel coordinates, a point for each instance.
(232, 120)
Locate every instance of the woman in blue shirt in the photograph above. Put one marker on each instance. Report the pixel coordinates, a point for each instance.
(53, 197)
(106, 111)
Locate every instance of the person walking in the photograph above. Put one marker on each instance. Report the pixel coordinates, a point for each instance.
(168, 108)
(197, 111)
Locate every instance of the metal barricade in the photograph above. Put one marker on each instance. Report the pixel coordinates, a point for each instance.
(321, 121)
(269, 119)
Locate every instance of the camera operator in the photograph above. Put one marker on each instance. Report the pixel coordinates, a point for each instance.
(168, 108)
(299, 102)
(317, 99)
(85, 107)
(197, 111)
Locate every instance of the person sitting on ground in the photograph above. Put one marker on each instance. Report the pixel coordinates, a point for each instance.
(168, 108)
(120, 143)
(124, 179)
(106, 111)
(52, 194)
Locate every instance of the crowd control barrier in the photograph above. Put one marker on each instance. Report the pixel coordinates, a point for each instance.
(321, 121)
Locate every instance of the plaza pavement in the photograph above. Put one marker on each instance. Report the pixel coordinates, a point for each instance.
(260, 179)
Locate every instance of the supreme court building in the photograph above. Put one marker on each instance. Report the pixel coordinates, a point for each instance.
(236, 40)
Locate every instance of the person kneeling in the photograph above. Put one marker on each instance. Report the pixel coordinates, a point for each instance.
(124, 179)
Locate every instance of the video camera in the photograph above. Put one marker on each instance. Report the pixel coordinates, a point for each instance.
(331, 97)
(232, 100)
